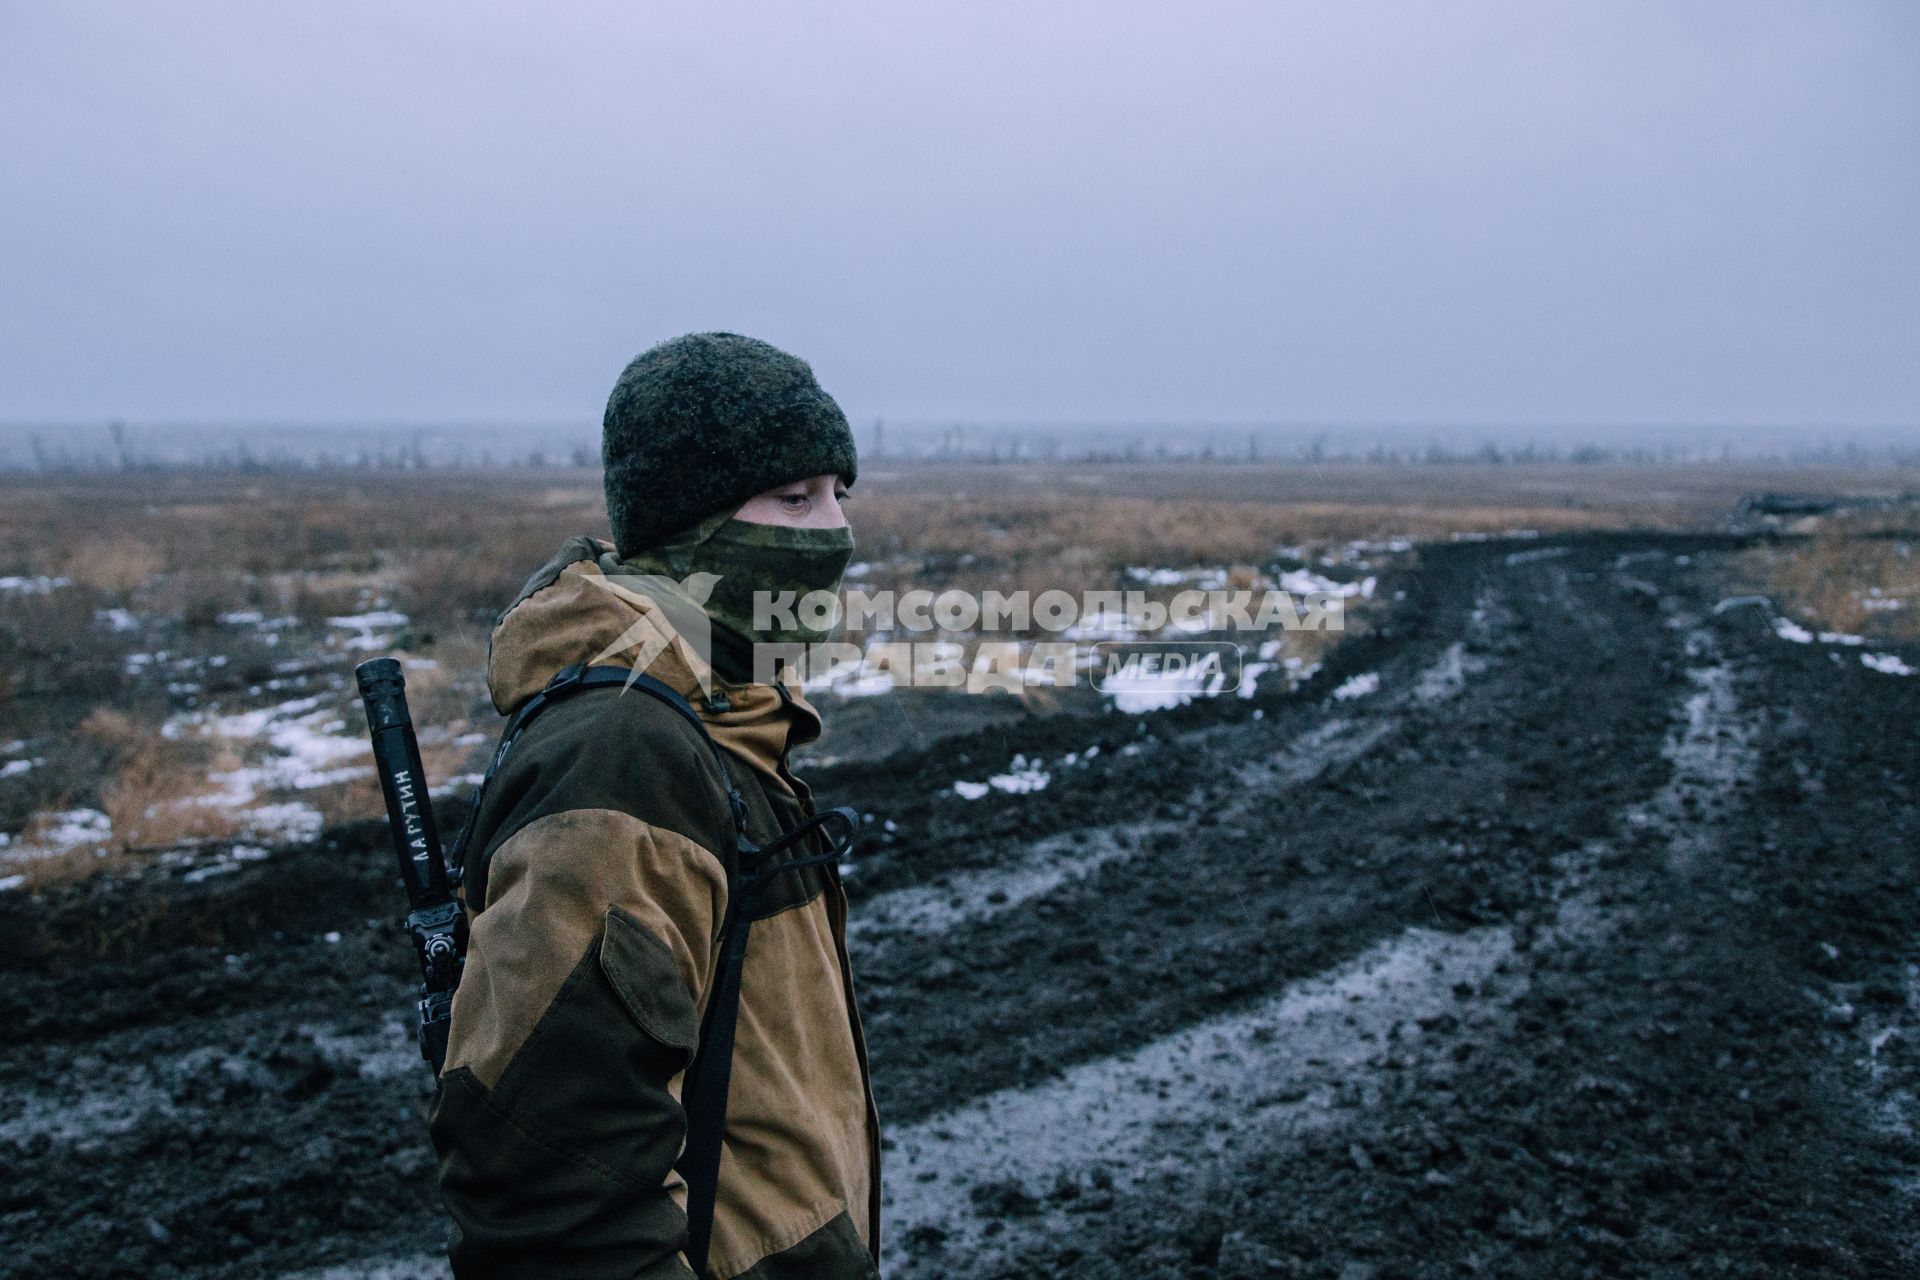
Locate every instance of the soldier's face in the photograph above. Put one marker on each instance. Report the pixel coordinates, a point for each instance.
(813, 503)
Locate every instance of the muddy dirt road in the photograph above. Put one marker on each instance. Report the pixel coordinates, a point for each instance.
(1584, 941)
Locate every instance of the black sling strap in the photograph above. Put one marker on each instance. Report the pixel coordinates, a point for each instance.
(580, 678)
(704, 1094)
(706, 1091)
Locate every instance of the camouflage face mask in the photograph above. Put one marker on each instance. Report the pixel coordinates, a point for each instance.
(755, 558)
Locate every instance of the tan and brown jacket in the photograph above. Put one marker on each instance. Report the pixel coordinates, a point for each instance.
(598, 871)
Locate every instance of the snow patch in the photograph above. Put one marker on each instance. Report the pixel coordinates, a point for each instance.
(40, 585)
(290, 822)
(1250, 677)
(1301, 582)
(309, 745)
(1357, 687)
(60, 833)
(1142, 690)
(366, 626)
(1021, 778)
(1788, 629)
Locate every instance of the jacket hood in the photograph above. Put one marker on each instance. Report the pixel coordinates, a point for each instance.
(571, 611)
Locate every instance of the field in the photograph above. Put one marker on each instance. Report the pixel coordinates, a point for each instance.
(1555, 919)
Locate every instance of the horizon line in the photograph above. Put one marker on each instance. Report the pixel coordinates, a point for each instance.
(107, 422)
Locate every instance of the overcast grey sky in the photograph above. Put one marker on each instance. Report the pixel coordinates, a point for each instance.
(1350, 211)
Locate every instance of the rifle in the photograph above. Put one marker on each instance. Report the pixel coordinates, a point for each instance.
(436, 919)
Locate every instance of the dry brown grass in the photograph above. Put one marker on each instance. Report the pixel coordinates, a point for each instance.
(156, 794)
(1087, 537)
(159, 798)
(450, 548)
(112, 728)
(1835, 578)
(115, 566)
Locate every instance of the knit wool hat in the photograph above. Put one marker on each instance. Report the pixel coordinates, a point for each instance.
(702, 422)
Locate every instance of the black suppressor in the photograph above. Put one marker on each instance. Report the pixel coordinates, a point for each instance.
(436, 919)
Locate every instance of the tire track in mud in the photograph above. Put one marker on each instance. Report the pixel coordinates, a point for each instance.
(1270, 884)
(959, 1202)
(990, 1186)
(1832, 863)
(1641, 1098)
(1042, 866)
(1053, 862)
(1413, 1158)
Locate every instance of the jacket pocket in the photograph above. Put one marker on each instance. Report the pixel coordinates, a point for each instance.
(643, 975)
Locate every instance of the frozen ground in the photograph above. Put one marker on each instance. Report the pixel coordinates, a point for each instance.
(1579, 936)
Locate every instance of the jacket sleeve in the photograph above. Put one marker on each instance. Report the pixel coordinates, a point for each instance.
(558, 1119)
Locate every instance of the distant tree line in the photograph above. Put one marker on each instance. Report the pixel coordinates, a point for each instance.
(323, 450)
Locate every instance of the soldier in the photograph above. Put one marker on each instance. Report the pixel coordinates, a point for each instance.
(601, 858)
